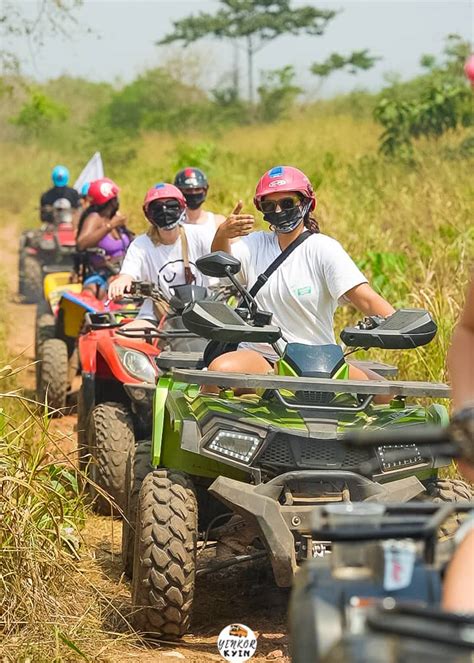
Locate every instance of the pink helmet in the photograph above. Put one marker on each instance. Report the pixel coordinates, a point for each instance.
(163, 190)
(284, 178)
(469, 68)
(102, 190)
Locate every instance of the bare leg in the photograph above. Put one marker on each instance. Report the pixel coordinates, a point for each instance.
(458, 590)
(356, 373)
(240, 361)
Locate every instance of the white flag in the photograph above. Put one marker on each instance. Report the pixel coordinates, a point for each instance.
(92, 171)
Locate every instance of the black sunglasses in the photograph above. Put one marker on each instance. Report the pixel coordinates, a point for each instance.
(165, 204)
(285, 204)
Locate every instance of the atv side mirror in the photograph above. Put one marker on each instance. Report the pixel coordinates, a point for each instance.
(218, 264)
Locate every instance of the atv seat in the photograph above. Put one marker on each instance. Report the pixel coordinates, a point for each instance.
(169, 360)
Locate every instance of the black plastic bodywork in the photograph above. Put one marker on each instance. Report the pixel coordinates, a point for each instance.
(406, 328)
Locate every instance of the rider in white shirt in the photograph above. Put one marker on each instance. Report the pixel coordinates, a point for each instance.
(305, 290)
(194, 185)
(157, 255)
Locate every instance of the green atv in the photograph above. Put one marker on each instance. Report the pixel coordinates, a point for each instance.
(245, 471)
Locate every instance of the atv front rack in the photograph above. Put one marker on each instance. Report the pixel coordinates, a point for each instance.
(370, 387)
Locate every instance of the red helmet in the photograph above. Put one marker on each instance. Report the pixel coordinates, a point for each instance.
(469, 68)
(102, 190)
(162, 190)
(284, 178)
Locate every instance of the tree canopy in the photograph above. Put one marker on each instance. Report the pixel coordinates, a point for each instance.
(257, 22)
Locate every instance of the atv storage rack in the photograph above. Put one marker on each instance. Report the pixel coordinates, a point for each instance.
(371, 387)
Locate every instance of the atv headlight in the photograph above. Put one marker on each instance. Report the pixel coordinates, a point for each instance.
(137, 364)
(240, 446)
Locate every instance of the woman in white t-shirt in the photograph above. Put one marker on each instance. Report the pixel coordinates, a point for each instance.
(305, 290)
(158, 256)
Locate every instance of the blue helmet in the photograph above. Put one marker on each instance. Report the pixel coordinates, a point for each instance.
(85, 189)
(60, 176)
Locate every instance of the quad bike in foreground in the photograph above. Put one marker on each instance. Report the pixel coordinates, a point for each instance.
(377, 596)
(60, 320)
(47, 250)
(265, 458)
(114, 410)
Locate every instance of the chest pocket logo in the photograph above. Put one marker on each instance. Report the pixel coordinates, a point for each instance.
(305, 290)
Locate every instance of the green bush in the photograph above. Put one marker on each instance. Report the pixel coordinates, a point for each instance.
(39, 114)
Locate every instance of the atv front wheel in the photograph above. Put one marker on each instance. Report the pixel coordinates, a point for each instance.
(31, 280)
(164, 562)
(52, 375)
(45, 328)
(448, 490)
(110, 437)
(138, 466)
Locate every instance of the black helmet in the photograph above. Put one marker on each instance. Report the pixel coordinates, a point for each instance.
(189, 179)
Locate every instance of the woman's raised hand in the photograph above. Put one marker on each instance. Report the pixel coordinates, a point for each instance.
(119, 286)
(236, 224)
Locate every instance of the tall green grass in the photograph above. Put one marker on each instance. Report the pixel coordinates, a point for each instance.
(409, 226)
(49, 609)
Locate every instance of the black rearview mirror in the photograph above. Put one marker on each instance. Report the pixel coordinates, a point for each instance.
(218, 264)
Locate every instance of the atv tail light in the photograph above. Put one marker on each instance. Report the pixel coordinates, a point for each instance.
(137, 364)
(239, 446)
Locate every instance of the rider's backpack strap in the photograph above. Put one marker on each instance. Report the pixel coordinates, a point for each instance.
(263, 278)
(216, 348)
(188, 275)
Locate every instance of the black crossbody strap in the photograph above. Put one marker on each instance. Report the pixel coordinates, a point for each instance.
(263, 278)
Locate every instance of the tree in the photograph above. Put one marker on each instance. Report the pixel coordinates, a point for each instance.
(256, 22)
(39, 113)
(429, 105)
(358, 60)
(51, 17)
(277, 93)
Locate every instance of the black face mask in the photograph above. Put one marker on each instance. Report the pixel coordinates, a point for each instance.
(287, 220)
(165, 216)
(195, 200)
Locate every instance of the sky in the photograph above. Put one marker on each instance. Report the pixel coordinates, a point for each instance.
(122, 41)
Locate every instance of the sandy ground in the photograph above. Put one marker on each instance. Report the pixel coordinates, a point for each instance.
(246, 595)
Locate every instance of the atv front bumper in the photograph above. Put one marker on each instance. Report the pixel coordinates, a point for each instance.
(279, 525)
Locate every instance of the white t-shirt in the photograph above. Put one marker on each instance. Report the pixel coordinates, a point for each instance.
(304, 291)
(163, 263)
(209, 224)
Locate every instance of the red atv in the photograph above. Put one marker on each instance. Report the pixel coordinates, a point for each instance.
(60, 321)
(119, 373)
(48, 249)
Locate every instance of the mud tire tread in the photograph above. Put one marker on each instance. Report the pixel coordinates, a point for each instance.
(448, 490)
(53, 374)
(31, 280)
(138, 467)
(110, 437)
(165, 555)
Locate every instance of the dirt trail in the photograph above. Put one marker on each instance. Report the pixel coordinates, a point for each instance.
(246, 595)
